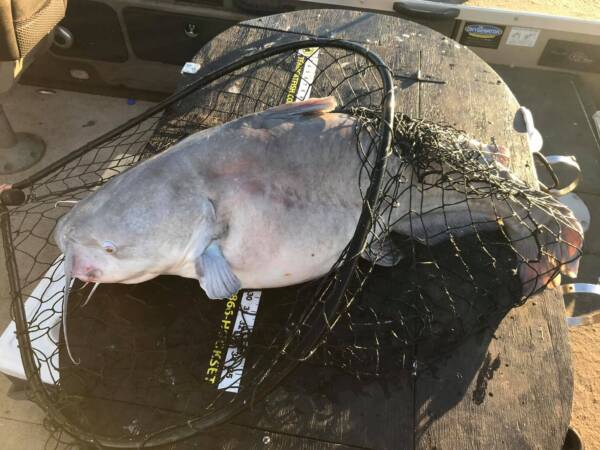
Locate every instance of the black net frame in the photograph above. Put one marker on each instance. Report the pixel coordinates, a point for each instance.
(298, 340)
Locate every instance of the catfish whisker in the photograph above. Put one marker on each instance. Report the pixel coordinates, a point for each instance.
(86, 284)
(67, 266)
(90, 295)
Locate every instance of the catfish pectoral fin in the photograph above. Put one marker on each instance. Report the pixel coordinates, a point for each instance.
(216, 276)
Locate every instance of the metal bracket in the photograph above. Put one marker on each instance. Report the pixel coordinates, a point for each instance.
(551, 160)
(582, 288)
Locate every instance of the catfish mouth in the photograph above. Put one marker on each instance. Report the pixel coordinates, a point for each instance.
(138, 277)
(94, 276)
(103, 272)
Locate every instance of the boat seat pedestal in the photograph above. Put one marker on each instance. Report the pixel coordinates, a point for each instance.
(18, 151)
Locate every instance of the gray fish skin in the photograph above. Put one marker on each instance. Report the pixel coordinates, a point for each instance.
(276, 192)
(267, 200)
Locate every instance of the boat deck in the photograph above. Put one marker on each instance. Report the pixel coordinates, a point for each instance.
(562, 111)
(65, 120)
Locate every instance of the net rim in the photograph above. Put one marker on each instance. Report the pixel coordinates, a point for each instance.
(334, 297)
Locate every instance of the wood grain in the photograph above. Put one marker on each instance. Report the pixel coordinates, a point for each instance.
(509, 387)
(520, 394)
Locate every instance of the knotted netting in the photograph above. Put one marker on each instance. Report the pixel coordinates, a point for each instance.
(439, 252)
(481, 242)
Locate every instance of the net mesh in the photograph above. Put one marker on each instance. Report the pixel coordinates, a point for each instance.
(482, 242)
(448, 242)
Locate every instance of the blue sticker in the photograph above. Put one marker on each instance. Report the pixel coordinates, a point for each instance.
(482, 35)
(484, 31)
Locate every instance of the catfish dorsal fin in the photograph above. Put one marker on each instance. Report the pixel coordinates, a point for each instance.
(312, 106)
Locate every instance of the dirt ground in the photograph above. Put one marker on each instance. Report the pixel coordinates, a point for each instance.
(585, 345)
(585, 9)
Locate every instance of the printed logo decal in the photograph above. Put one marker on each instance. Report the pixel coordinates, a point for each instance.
(482, 35)
(484, 31)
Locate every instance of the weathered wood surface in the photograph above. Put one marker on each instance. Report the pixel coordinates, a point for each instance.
(236, 437)
(520, 397)
(505, 388)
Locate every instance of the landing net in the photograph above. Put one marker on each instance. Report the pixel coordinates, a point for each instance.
(160, 362)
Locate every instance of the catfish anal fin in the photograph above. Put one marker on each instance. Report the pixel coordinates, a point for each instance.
(383, 252)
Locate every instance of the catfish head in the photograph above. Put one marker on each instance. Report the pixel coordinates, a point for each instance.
(139, 226)
(124, 234)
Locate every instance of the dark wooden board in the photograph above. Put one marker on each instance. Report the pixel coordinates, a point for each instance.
(521, 396)
(506, 388)
(376, 414)
(236, 437)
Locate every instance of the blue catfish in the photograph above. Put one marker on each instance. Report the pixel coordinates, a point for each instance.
(267, 200)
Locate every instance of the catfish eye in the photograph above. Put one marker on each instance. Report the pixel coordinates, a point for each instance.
(109, 247)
